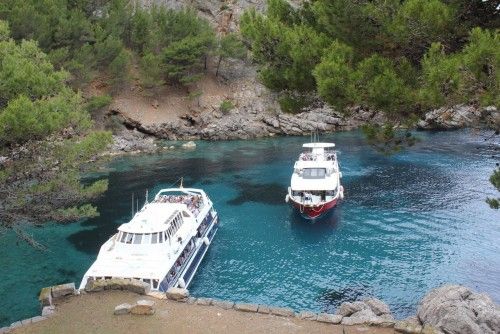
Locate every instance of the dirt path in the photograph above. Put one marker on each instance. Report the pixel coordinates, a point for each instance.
(170, 102)
(93, 313)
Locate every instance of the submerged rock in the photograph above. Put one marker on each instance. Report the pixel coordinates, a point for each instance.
(189, 144)
(454, 309)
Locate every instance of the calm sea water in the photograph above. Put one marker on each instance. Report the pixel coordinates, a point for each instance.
(410, 222)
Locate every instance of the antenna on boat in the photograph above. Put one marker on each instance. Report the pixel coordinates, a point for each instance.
(182, 180)
(132, 205)
(147, 195)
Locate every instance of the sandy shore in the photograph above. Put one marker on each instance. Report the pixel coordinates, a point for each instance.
(93, 313)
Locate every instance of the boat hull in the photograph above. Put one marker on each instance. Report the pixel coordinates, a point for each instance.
(315, 212)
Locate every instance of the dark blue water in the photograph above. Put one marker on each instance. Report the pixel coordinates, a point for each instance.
(410, 222)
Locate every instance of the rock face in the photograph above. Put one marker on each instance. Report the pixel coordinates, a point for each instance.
(459, 116)
(455, 309)
(371, 312)
(133, 141)
(250, 121)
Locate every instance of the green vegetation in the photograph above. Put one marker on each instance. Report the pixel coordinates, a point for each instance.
(46, 134)
(226, 106)
(400, 57)
(96, 37)
(495, 181)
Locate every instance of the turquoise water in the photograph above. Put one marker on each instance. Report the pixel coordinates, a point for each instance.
(409, 223)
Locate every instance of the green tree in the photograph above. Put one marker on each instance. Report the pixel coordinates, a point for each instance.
(230, 46)
(46, 133)
(335, 76)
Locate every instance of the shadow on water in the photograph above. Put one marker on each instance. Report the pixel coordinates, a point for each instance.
(331, 299)
(400, 184)
(309, 231)
(266, 193)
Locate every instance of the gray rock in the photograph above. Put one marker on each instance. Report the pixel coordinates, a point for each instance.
(408, 326)
(177, 293)
(122, 309)
(246, 307)
(307, 315)
(223, 304)
(366, 317)
(330, 318)
(346, 308)
(132, 285)
(63, 290)
(191, 300)
(455, 309)
(45, 296)
(143, 307)
(204, 301)
(377, 306)
(282, 311)
(47, 311)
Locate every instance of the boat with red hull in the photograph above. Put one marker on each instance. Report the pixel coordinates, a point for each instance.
(315, 187)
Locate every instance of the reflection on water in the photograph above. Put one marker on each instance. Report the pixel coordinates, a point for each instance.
(409, 222)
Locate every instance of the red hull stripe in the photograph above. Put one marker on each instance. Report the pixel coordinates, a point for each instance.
(315, 211)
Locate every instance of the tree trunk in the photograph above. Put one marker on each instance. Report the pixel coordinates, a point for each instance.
(218, 65)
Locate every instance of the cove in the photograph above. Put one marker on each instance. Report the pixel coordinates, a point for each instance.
(409, 223)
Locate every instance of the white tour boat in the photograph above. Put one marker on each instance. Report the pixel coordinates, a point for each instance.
(164, 242)
(315, 187)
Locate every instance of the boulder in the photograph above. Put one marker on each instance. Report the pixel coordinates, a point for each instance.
(456, 309)
(329, 318)
(377, 306)
(177, 293)
(45, 297)
(63, 290)
(122, 309)
(346, 309)
(246, 307)
(408, 326)
(132, 285)
(367, 317)
(143, 307)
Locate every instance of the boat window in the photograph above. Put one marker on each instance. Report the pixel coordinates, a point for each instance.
(154, 238)
(155, 284)
(123, 237)
(137, 238)
(185, 214)
(314, 173)
(146, 238)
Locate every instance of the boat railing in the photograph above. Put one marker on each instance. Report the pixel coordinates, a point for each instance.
(193, 202)
(308, 156)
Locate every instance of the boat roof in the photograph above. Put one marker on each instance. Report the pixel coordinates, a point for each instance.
(318, 145)
(153, 217)
(314, 164)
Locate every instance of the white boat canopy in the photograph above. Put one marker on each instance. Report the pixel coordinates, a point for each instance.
(318, 145)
